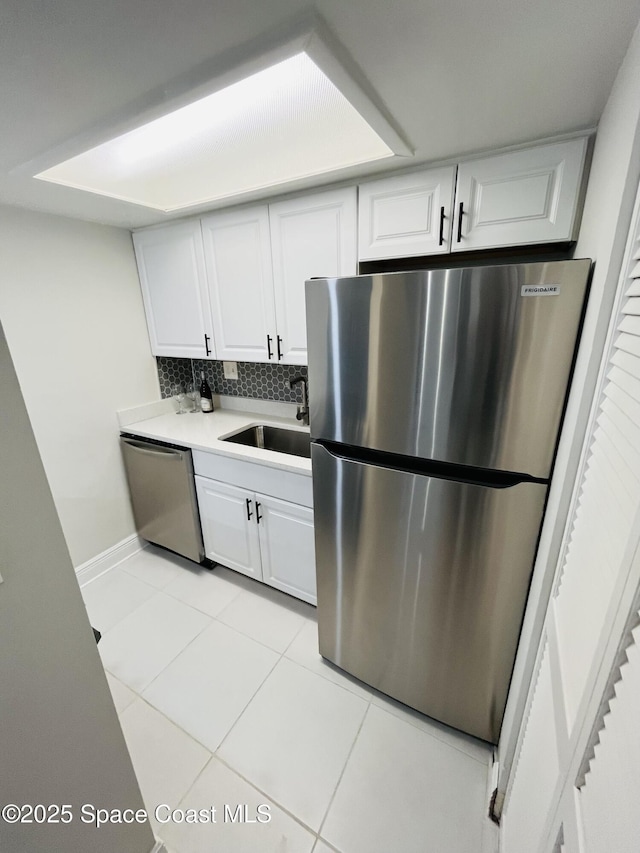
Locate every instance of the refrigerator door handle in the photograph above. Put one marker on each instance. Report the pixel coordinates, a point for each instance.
(489, 478)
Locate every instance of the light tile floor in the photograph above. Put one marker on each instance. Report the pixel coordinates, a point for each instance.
(225, 702)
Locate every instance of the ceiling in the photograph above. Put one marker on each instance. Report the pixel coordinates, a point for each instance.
(458, 77)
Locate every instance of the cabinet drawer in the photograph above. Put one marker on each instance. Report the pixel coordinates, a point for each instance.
(258, 478)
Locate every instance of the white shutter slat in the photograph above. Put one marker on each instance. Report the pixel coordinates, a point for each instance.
(632, 305)
(597, 510)
(627, 362)
(624, 380)
(628, 343)
(629, 406)
(634, 287)
(630, 453)
(617, 462)
(606, 484)
(624, 424)
(631, 324)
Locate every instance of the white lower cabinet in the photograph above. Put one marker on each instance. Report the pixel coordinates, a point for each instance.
(287, 547)
(229, 529)
(262, 536)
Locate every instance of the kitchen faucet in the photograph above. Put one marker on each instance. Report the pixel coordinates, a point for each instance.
(303, 411)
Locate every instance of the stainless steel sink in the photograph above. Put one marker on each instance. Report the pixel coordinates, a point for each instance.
(279, 439)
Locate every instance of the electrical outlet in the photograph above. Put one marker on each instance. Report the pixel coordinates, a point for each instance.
(230, 369)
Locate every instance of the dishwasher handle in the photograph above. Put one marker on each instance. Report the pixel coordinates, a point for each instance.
(151, 449)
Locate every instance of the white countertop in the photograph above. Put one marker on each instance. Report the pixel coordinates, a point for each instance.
(205, 432)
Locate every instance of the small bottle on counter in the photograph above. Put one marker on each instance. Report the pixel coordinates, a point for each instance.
(206, 397)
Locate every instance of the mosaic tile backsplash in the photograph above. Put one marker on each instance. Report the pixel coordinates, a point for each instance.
(257, 380)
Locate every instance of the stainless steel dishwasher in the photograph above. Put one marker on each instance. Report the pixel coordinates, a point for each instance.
(163, 495)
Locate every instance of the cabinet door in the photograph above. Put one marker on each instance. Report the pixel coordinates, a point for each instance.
(406, 215)
(174, 289)
(229, 529)
(313, 236)
(522, 197)
(287, 547)
(238, 258)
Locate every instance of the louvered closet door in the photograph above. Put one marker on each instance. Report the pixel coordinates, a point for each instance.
(609, 498)
(576, 775)
(609, 776)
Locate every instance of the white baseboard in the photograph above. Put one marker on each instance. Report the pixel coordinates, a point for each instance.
(110, 558)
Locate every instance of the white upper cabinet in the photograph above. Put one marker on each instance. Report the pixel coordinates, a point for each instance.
(257, 261)
(238, 259)
(237, 277)
(515, 199)
(174, 289)
(406, 215)
(312, 236)
(523, 197)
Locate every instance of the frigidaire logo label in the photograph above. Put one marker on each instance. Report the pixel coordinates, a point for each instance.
(540, 290)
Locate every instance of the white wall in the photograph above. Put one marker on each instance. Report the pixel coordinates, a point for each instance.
(60, 739)
(72, 312)
(586, 625)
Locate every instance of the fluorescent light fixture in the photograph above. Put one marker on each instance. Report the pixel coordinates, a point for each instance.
(284, 123)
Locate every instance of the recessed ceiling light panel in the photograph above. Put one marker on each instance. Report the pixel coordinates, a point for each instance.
(284, 123)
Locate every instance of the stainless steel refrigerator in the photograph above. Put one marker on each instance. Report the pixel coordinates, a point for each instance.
(435, 404)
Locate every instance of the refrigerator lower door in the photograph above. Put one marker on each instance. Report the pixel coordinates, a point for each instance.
(422, 584)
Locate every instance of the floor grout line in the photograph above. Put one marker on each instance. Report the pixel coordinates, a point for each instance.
(335, 790)
(154, 589)
(269, 797)
(442, 740)
(244, 709)
(177, 655)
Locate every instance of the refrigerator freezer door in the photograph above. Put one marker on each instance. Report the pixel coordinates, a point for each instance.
(422, 584)
(468, 366)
